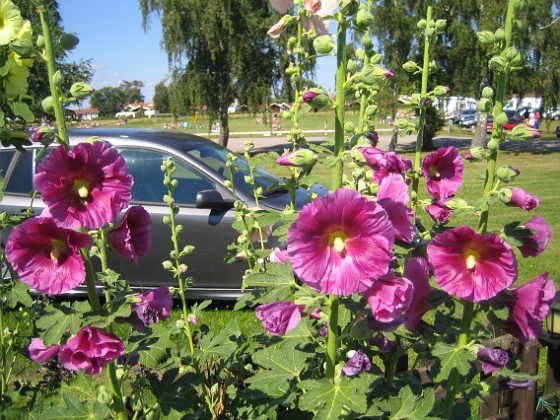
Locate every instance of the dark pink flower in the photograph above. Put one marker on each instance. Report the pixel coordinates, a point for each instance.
(373, 136)
(40, 353)
(389, 297)
(417, 272)
(90, 350)
(537, 134)
(131, 237)
(393, 197)
(153, 306)
(516, 197)
(278, 318)
(438, 211)
(443, 171)
(278, 255)
(492, 359)
(536, 243)
(47, 257)
(341, 243)
(85, 187)
(529, 307)
(358, 362)
(315, 314)
(384, 163)
(470, 265)
(382, 343)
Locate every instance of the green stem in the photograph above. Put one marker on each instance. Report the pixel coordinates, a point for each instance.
(90, 280)
(453, 383)
(332, 337)
(390, 374)
(364, 95)
(339, 105)
(118, 403)
(3, 356)
(51, 70)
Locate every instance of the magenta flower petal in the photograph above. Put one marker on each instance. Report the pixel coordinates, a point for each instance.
(279, 317)
(531, 303)
(536, 243)
(131, 237)
(358, 362)
(278, 255)
(393, 197)
(417, 272)
(520, 198)
(85, 187)
(492, 359)
(340, 244)
(40, 353)
(438, 211)
(90, 350)
(153, 306)
(471, 266)
(389, 297)
(47, 257)
(384, 163)
(443, 171)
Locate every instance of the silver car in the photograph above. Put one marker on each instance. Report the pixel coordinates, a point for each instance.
(205, 203)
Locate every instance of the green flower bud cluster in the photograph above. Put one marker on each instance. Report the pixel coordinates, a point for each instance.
(485, 105)
(488, 92)
(323, 44)
(348, 7)
(506, 174)
(364, 19)
(80, 90)
(411, 67)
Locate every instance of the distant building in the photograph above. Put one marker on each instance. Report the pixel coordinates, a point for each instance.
(84, 114)
(146, 109)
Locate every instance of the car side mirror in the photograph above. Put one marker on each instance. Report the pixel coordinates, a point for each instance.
(212, 199)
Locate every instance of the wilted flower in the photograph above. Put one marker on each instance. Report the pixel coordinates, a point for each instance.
(382, 343)
(416, 271)
(90, 350)
(341, 243)
(443, 170)
(492, 359)
(358, 362)
(384, 163)
(47, 257)
(393, 197)
(389, 297)
(276, 30)
(85, 187)
(153, 306)
(470, 265)
(40, 353)
(529, 307)
(516, 197)
(536, 243)
(373, 136)
(278, 318)
(131, 236)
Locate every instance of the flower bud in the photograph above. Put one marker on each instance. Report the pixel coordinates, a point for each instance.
(371, 110)
(103, 395)
(40, 41)
(410, 66)
(348, 7)
(488, 92)
(316, 97)
(441, 90)
(80, 90)
(48, 104)
(373, 136)
(373, 73)
(432, 66)
(401, 123)
(376, 59)
(349, 127)
(497, 63)
(486, 37)
(501, 119)
(425, 102)
(364, 19)
(299, 158)
(323, 44)
(351, 65)
(286, 115)
(366, 41)
(499, 35)
(484, 105)
(421, 24)
(507, 174)
(68, 41)
(522, 132)
(441, 24)
(477, 154)
(360, 54)
(516, 197)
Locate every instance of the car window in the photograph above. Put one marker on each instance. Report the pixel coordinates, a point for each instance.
(5, 159)
(145, 166)
(21, 178)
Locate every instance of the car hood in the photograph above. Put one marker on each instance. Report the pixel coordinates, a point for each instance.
(280, 198)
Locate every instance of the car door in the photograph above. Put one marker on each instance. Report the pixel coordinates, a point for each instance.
(209, 231)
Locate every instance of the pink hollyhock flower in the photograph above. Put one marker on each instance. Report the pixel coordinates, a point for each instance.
(536, 243)
(153, 306)
(389, 297)
(276, 30)
(90, 350)
(358, 362)
(131, 236)
(373, 136)
(438, 211)
(47, 257)
(315, 314)
(319, 9)
(529, 307)
(492, 359)
(443, 170)
(341, 243)
(85, 187)
(278, 256)
(278, 318)
(393, 197)
(416, 271)
(40, 353)
(516, 197)
(384, 163)
(471, 266)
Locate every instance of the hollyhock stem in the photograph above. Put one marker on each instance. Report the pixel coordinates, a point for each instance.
(364, 96)
(49, 58)
(422, 116)
(468, 309)
(339, 105)
(332, 336)
(90, 280)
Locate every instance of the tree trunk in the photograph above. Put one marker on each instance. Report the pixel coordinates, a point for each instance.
(224, 126)
(479, 139)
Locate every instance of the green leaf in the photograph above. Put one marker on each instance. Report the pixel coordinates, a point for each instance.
(277, 275)
(267, 217)
(58, 319)
(330, 401)
(75, 409)
(411, 407)
(452, 357)
(154, 353)
(22, 109)
(173, 390)
(18, 293)
(285, 359)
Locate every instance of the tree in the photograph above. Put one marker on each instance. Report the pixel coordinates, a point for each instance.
(228, 54)
(161, 97)
(132, 91)
(108, 100)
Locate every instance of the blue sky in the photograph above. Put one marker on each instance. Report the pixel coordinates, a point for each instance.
(111, 34)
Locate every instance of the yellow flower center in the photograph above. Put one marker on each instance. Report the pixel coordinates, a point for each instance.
(81, 188)
(58, 248)
(337, 240)
(472, 257)
(433, 172)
